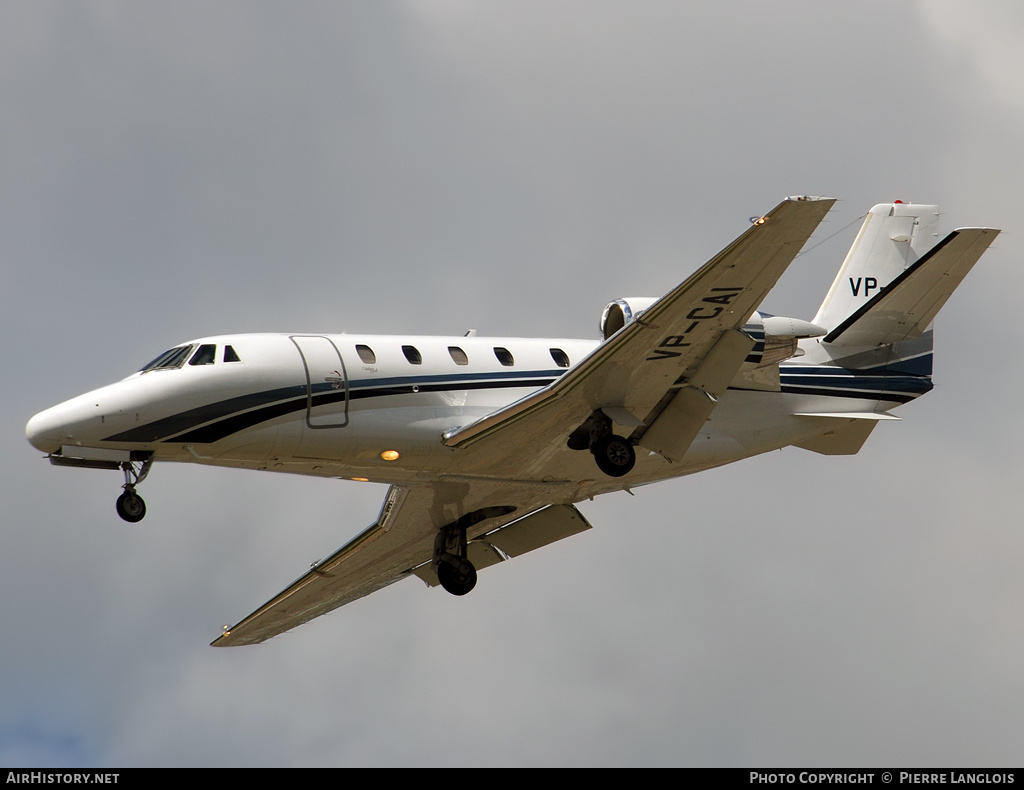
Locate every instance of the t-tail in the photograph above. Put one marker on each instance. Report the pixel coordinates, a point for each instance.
(876, 350)
(896, 277)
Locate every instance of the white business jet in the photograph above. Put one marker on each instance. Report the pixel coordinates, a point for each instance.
(488, 443)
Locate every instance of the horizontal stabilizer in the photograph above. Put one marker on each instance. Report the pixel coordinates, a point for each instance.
(853, 415)
(841, 434)
(905, 308)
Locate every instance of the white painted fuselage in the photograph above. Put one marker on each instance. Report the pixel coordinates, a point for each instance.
(335, 405)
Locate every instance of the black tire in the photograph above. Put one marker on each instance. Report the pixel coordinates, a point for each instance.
(130, 507)
(458, 580)
(614, 455)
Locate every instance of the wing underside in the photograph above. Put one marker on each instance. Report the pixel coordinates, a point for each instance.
(398, 545)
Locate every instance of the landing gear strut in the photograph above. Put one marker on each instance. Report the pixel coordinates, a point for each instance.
(130, 506)
(455, 572)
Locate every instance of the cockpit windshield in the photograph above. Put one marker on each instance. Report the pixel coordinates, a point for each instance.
(205, 354)
(174, 358)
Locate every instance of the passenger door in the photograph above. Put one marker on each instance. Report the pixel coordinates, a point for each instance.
(326, 382)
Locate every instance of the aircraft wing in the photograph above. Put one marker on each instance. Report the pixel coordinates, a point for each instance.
(401, 544)
(659, 376)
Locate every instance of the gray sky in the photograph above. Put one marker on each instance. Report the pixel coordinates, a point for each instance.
(171, 170)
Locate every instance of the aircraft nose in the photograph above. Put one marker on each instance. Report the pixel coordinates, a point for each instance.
(85, 420)
(46, 430)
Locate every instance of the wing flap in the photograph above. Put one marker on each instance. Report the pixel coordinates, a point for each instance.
(674, 429)
(538, 529)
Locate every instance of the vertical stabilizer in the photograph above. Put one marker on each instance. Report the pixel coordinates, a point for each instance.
(892, 238)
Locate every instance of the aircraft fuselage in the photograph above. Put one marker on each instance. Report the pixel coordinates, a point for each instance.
(342, 405)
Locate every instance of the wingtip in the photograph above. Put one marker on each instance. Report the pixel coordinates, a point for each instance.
(982, 231)
(809, 198)
(222, 640)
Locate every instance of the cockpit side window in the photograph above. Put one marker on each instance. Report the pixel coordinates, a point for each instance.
(230, 355)
(174, 358)
(206, 355)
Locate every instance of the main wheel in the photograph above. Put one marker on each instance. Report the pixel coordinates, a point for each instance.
(614, 455)
(457, 579)
(130, 507)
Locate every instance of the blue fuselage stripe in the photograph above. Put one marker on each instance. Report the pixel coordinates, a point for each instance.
(218, 420)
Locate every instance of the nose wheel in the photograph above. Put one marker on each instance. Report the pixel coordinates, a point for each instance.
(130, 506)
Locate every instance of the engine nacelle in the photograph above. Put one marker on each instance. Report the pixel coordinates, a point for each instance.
(620, 312)
(777, 337)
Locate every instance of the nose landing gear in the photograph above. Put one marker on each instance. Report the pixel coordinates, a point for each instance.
(130, 506)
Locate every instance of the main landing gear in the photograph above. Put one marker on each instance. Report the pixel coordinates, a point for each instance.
(451, 549)
(613, 454)
(454, 570)
(130, 506)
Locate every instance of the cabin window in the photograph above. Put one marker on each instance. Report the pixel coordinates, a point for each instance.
(206, 355)
(174, 358)
(230, 355)
(366, 354)
(412, 354)
(504, 356)
(560, 357)
(458, 355)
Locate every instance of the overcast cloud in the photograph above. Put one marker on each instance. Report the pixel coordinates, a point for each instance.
(172, 170)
